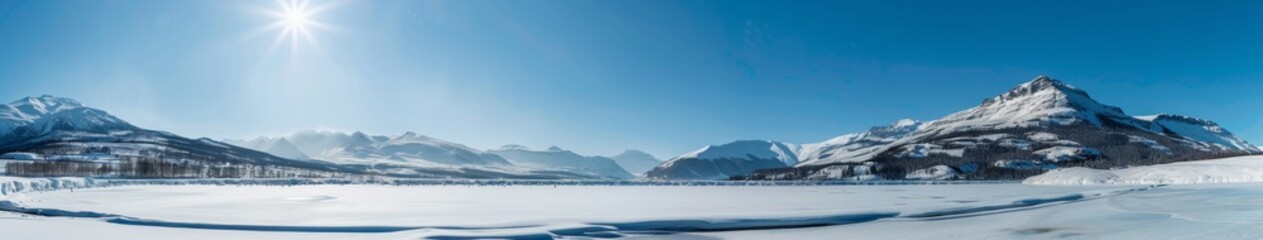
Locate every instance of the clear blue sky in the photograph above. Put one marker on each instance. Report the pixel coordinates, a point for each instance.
(598, 77)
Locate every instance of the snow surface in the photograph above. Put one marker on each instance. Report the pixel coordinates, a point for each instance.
(1023, 164)
(1150, 143)
(985, 211)
(1042, 137)
(1212, 211)
(21, 156)
(939, 172)
(1063, 154)
(464, 211)
(1228, 170)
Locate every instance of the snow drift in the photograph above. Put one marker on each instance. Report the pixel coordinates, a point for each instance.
(1228, 170)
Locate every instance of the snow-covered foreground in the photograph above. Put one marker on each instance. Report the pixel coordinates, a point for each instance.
(1203, 211)
(418, 212)
(366, 211)
(1229, 170)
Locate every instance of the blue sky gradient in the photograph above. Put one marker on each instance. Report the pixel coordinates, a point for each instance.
(598, 77)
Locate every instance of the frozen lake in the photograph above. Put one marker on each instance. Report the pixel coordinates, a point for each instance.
(725, 212)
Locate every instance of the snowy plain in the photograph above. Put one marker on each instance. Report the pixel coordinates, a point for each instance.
(456, 211)
(1056, 208)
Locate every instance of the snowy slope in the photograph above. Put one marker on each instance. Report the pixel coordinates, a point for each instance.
(1228, 170)
(857, 147)
(727, 160)
(1200, 131)
(559, 159)
(636, 161)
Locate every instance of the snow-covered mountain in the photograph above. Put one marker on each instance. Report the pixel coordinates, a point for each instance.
(275, 146)
(408, 148)
(727, 160)
(414, 155)
(857, 147)
(636, 161)
(1199, 131)
(559, 159)
(61, 126)
(34, 116)
(1038, 125)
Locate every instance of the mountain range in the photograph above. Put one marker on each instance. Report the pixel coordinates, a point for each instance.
(63, 128)
(55, 126)
(1038, 125)
(415, 154)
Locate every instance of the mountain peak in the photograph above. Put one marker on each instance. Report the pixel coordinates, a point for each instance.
(1045, 79)
(555, 149)
(411, 136)
(1040, 85)
(45, 104)
(906, 122)
(48, 100)
(358, 139)
(282, 141)
(513, 147)
(1041, 101)
(634, 152)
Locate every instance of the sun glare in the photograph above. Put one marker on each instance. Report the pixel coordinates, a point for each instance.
(295, 18)
(295, 21)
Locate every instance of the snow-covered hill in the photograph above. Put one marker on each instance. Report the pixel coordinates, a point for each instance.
(1038, 125)
(636, 161)
(727, 160)
(1228, 170)
(555, 158)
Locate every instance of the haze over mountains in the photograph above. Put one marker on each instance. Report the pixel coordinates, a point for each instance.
(1039, 125)
(410, 152)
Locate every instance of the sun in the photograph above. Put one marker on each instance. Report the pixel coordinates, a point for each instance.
(295, 21)
(295, 18)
